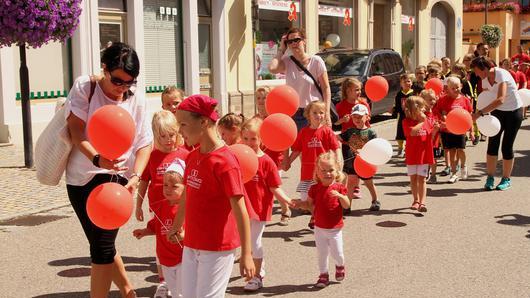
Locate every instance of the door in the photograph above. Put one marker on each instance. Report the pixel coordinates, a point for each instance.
(111, 28)
(205, 56)
(439, 22)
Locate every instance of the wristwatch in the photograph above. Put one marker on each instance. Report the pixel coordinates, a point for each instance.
(95, 160)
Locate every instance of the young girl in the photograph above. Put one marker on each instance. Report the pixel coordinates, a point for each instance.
(326, 199)
(405, 81)
(217, 220)
(260, 190)
(167, 143)
(430, 100)
(418, 130)
(312, 141)
(169, 254)
(276, 156)
(171, 98)
(229, 127)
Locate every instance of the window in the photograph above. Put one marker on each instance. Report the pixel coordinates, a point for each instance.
(115, 5)
(336, 23)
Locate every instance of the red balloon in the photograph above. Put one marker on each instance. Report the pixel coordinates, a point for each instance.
(363, 168)
(109, 206)
(278, 132)
(458, 121)
(436, 85)
(248, 161)
(282, 99)
(376, 88)
(111, 131)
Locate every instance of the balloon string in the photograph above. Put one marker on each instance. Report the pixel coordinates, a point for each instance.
(158, 218)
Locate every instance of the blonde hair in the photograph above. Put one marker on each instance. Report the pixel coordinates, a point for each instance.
(428, 94)
(169, 90)
(435, 61)
(331, 157)
(459, 69)
(231, 121)
(174, 175)
(311, 105)
(413, 106)
(265, 90)
(253, 124)
(453, 81)
(164, 122)
(347, 84)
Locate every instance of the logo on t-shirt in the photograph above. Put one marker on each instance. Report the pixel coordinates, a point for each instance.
(193, 180)
(314, 143)
(161, 170)
(168, 222)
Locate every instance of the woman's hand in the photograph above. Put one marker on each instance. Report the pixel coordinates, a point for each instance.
(328, 120)
(113, 165)
(283, 46)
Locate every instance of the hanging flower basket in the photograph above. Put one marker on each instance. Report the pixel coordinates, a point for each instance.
(491, 35)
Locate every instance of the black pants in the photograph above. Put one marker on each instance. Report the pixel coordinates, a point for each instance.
(102, 248)
(510, 124)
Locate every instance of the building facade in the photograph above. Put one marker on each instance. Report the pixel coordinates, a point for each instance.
(219, 47)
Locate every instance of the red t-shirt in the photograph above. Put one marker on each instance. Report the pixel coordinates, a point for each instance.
(519, 58)
(344, 108)
(154, 174)
(521, 79)
(168, 253)
(211, 180)
(258, 190)
(419, 149)
(276, 156)
(328, 211)
(514, 75)
(446, 104)
(311, 143)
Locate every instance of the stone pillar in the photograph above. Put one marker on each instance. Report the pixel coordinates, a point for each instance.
(135, 38)
(190, 21)
(310, 17)
(7, 93)
(395, 35)
(85, 42)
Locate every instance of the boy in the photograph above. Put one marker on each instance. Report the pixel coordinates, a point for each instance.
(398, 110)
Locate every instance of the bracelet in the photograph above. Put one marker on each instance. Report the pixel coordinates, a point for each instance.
(134, 174)
(95, 160)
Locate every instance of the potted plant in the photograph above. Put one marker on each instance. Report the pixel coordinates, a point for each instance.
(491, 35)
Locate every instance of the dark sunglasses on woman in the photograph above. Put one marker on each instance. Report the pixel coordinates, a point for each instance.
(119, 82)
(294, 40)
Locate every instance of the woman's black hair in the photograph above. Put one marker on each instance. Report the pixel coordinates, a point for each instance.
(482, 63)
(121, 56)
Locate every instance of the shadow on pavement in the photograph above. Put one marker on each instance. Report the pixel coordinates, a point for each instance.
(287, 236)
(142, 292)
(276, 290)
(452, 192)
(85, 261)
(515, 220)
(366, 212)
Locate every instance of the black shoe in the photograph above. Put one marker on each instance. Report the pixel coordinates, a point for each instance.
(376, 206)
(346, 211)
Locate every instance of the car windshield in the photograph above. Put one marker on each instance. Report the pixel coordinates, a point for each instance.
(345, 64)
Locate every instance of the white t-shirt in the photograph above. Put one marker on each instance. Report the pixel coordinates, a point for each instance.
(513, 100)
(80, 170)
(301, 82)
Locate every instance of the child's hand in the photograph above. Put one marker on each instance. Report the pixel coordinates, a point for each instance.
(139, 233)
(345, 118)
(296, 203)
(139, 214)
(286, 165)
(335, 193)
(291, 203)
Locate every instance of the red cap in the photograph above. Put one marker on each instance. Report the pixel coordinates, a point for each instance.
(200, 104)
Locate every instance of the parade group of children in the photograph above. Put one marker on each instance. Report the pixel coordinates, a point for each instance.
(202, 210)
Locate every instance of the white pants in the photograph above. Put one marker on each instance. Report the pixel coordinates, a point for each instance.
(256, 233)
(420, 170)
(172, 276)
(206, 273)
(329, 241)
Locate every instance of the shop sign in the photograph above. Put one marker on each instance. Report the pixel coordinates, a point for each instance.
(279, 5)
(334, 11)
(408, 20)
(525, 28)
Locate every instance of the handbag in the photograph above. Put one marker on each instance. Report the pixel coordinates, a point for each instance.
(54, 145)
(332, 110)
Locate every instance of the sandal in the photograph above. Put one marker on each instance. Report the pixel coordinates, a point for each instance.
(284, 220)
(422, 208)
(415, 205)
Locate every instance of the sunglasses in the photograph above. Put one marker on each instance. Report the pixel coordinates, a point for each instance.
(294, 40)
(119, 82)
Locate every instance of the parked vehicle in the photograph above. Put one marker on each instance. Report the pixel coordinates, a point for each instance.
(363, 64)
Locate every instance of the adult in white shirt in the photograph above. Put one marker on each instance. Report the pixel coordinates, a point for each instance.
(508, 108)
(86, 169)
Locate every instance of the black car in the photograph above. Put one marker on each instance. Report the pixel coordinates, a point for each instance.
(363, 64)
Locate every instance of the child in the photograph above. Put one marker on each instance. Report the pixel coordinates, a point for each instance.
(261, 190)
(167, 143)
(420, 74)
(433, 71)
(214, 208)
(446, 67)
(430, 99)
(169, 254)
(418, 129)
(351, 95)
(356, 137)
(312, 141)
(171, 97)
(459, 70)
(326, 199)
(405, 81)
(453, 144)
(229, 127)
(261, 96)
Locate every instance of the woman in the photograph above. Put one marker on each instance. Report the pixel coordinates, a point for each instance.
(86, 169)
(507, 107)
(295, 77)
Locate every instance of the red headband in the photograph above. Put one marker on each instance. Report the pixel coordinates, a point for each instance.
(200, 104)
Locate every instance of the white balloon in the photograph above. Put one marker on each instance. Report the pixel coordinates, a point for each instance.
(377, 151)
(489, 125)
(334, 39)
(485, 98)
(525, 96)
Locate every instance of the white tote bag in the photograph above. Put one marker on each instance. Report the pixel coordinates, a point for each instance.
(54, 145)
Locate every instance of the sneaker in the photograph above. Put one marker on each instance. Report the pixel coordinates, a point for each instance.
(490, 183)
(284, 219)
(454, 178)
(476, 140)
(340, 272)
(399, 153)
(323, 281)
(311, 223)
(356, 193)
(254, 284)
(162, 291)
(432, 180)
(376, 206)
(446, 171)
(504, 184)
(464, 173)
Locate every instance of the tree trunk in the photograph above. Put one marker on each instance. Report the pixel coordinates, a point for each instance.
(26, 109)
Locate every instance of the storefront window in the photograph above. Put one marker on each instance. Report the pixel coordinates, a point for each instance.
(335, 24)
(274, 18)
(117, 5)
(408, 34)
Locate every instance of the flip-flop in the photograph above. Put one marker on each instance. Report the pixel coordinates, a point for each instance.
(422, 208)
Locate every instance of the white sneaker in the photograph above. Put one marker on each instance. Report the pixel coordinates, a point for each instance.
(254, 284)
(454, 178)
(161, 291)
(464, 173)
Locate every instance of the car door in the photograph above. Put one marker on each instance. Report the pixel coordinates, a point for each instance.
(382, 66)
